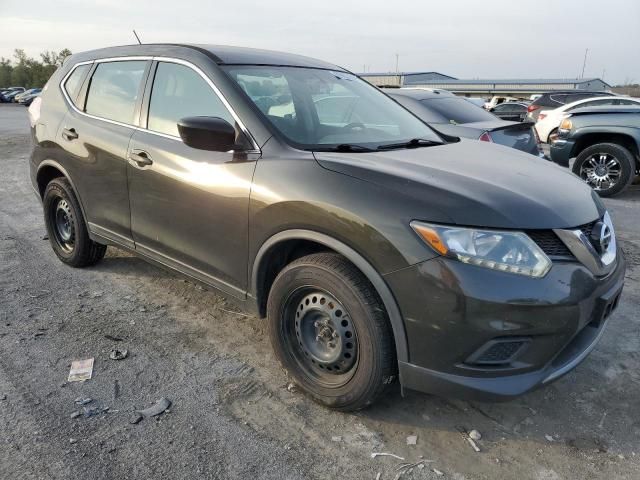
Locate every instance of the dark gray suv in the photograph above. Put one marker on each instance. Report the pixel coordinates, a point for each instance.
(376, 247)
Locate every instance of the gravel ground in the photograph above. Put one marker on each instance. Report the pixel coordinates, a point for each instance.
(232, 414)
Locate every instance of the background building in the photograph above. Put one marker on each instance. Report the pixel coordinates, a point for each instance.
(483, 88)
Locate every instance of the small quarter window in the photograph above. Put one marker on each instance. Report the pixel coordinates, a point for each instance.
(74, 82)
(179, 92)
(114, 90)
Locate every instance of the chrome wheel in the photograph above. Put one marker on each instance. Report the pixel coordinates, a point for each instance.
(601, 171)
(63, 223)
(321, 336)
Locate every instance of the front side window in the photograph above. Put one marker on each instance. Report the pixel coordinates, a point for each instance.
(114, 90)
(179, 92)
(316, 108)
(74, 82)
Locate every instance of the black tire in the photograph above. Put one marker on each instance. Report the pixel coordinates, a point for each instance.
(604, 153)
(365, 363)
(66, 226)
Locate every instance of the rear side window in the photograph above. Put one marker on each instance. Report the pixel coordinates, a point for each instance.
(114, 90)
(74, 82)
(180, 92)
(457, 110)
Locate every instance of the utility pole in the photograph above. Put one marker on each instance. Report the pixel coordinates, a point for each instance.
(584, 63)
(397, 60)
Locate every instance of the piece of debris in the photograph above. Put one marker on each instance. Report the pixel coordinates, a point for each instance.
(81, 370)
(549, 438)
(45, 237)
(92, 411)
(76, 414)
(155, 409)
(39, 333)
(336, 439)
(72, 441)
(412, 440)
(473, 444)
(82, 401)
(113, 338)
(378, 476)
(291, 387)
(118, 354)
(438, 472)
(143, 309)
(383, 454)
(137, 418)
(3, 396)
(475, 435)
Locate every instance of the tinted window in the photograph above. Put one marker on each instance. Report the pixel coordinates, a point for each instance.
(74, 82)
(457, 110)
(179, 92)
(591, 103)
(114, 89)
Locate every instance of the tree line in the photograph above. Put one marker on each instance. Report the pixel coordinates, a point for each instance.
(28, 72)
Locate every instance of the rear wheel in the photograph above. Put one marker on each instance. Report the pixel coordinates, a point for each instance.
(608, 168)
(66, 226)
(330, 331)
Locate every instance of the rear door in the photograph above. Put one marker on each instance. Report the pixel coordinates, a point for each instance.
(189, 207)
(95, 136)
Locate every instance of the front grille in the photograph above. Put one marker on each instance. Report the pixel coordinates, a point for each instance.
(551, 244)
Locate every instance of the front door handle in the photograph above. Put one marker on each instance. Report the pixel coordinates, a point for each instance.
(69, 134)
(140, 158)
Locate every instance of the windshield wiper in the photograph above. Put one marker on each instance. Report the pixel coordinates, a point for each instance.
(413, 143)
(344, 147)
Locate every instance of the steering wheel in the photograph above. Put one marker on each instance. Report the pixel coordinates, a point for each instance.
(355, 126)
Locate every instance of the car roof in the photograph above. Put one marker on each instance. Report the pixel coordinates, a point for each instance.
(418, 93)
(221, 54)
(606, 109)
(566, 106)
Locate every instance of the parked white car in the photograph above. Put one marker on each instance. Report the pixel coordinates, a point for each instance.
(549, 120)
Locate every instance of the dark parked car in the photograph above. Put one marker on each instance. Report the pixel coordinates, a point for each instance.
(605, 142)
(551, 100)
(456, 116)
(28, 99)
(511, 111)
(377, 248)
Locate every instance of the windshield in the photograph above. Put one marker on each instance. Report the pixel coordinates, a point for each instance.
(316, 108)
(455, 111)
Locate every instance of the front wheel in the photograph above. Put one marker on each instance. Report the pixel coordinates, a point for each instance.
(608, 168)
(66, 227)
(330, 331)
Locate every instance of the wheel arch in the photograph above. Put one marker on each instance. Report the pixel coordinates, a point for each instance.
(626, 140)
(260, 286)
(50, 169)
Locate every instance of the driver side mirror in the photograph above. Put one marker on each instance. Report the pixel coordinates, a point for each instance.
(207, 133)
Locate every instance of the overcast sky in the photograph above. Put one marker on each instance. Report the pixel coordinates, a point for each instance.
(465, 39)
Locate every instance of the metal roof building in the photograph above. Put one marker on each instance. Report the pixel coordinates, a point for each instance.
(521, 87)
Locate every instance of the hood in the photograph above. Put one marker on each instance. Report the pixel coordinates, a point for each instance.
(477, 184)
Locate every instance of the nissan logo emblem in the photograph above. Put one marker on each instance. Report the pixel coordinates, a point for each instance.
(601, 236)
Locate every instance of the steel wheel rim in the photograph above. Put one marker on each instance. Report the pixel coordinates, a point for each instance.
(63, 225)
(601, 171)
(320, 335)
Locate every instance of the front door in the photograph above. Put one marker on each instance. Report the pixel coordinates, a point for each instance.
(189, 207)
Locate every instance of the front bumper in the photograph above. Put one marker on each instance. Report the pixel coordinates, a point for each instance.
(453, 310)
(561, 150)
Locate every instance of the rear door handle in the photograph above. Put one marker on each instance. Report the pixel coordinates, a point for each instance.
(69, 134)
(140, 158)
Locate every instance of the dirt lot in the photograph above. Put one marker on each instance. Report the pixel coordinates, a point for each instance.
(232, 414)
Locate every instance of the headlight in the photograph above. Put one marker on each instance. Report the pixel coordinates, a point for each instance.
(512, 252)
